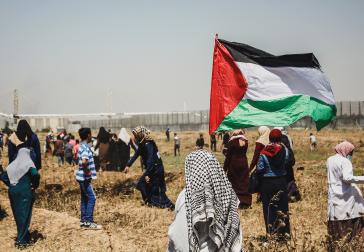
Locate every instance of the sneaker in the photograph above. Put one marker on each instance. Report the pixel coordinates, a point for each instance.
(83, 223)
(92, 225)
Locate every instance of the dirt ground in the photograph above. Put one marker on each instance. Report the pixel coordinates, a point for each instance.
(131, 226)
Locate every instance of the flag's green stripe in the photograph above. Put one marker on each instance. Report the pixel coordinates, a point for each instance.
(279, 112)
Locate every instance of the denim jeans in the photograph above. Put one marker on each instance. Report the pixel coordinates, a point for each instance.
(88, 199)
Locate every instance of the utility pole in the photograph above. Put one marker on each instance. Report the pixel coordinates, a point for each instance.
(15, 105)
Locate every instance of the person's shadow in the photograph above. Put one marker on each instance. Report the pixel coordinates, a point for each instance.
(36, 236)
(3, 214)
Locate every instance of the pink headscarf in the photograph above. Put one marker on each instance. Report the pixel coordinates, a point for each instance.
(344, 148)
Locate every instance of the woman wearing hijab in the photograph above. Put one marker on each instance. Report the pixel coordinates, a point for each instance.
(22, 178)
(345, 200)
(236, 167)
(272, 170)
(260, 143)
(32, 142)
(103, 144)
(207, 217)
(152, 183)
(124, 147)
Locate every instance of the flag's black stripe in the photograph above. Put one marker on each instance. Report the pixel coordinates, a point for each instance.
(245, 53)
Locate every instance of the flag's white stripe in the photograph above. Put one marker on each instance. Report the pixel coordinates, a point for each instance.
(268, 83)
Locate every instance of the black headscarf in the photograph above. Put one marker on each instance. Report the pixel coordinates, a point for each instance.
(103, 136)
(24, 131)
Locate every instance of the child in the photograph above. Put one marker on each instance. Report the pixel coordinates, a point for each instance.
(84, 175)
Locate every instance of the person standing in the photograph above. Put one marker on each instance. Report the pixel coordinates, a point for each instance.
(236, 167)
(32, 142)
(84, 175)
(152, 183)
(345, 200)
(313, 142)
(225, 140)
(200, 142)
(68, 152)
(75, 151)
(213, 142)
(272, 170)
(48, 147)
(59, 150)
(168, 132)
(22, 178)
(177, 145)
(103, 144)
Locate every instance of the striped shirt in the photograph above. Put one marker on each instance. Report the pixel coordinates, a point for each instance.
(84, 152)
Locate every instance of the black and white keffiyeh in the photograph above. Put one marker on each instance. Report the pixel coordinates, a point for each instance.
(210, 197)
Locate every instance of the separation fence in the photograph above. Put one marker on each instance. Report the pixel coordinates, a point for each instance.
(349, 115)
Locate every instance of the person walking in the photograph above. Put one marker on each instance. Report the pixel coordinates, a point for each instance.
(272, 170)
(313, 142)
(85, 174)
(345, 200)
(177, 145)
(152, 183)
(206, 215)
(237, 168)
(22, 178)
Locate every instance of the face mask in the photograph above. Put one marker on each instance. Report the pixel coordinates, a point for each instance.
(350, 157)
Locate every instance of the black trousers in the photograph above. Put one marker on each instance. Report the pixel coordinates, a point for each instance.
(275, 205)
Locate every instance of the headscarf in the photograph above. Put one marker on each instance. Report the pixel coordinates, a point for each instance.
(124, 136)
(209, 196)
(141, 134)
(344, 148)
(103, 136)
(20, 166)
(275, 146)
(24, 131)
(263, 132)
(238, 134)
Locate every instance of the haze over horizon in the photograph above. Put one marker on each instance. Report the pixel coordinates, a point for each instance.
(92, 56)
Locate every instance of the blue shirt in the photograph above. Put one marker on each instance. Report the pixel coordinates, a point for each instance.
(84, 152)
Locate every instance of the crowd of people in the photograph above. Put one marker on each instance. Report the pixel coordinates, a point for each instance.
(206, 211)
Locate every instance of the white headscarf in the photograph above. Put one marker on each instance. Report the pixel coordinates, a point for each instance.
(20, 166)
(263, 135)
(124, 136)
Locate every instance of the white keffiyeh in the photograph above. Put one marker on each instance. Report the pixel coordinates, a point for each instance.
(20, 166)
(211, 199)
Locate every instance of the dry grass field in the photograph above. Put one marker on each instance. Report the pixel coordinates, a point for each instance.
(130, 226)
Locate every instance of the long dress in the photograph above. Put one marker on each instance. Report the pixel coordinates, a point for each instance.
(104, 155)
(153, 193)
(21, 199)
(236, 166)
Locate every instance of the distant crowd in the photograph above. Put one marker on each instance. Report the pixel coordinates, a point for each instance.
(206, 211)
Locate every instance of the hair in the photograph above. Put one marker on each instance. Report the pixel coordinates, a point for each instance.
(77, 141)
(84, 132)
(175, 133)
(24, 131)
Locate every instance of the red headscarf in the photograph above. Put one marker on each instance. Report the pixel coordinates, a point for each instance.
(275, 146)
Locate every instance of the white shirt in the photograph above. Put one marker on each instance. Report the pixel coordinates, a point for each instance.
(345, 200)
(312, 139)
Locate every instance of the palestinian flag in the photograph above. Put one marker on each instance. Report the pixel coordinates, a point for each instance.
(250, 87)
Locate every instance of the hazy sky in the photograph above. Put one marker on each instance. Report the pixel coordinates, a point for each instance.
(68, 56)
